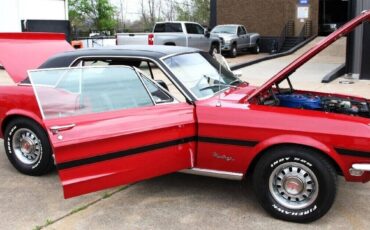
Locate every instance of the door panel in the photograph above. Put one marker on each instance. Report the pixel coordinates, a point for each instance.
(103, 149)
(196, 36)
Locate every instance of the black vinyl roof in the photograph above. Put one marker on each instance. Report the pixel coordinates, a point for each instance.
(154, 52)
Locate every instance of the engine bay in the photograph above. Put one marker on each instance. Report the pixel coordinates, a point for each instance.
(316, 101)
(331, 104)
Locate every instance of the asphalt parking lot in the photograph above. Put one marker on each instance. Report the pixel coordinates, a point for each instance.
(176, 201)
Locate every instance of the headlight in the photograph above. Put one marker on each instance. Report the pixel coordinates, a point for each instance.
(227, 40)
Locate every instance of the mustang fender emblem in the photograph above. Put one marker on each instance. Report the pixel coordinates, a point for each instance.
(223, 157)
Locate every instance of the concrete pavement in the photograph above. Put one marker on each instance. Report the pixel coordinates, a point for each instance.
(176, 201)
(179, 201)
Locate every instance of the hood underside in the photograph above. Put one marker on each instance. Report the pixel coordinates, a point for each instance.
(287, 71)
(20, 52)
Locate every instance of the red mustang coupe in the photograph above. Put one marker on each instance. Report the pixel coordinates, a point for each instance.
(113, 116)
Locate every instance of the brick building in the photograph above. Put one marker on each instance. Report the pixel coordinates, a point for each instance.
(292, 21)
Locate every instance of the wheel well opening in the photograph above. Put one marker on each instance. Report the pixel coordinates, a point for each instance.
(258, 157)
(10, 118)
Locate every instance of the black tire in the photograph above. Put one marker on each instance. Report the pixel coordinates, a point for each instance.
(295, 206)
(256, 49)
(233, 51)
(31, 132)
(215, 48)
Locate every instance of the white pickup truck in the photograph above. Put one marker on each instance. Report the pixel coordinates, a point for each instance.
(187, 34)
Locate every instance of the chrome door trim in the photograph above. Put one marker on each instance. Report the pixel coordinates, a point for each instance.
(214, 173)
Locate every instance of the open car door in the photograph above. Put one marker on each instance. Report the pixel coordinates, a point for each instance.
(108, 127)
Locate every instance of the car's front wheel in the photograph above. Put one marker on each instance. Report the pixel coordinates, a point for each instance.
(295, 184)
(27, 147)
(233, 51)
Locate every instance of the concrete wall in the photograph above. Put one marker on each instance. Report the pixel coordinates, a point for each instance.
(13, 11)
(267, 17)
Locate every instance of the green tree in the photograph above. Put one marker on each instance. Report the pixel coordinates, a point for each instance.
(92, 14)
(193, 10)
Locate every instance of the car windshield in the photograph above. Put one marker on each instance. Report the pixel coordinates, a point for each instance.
(201, 74)
(224, 30)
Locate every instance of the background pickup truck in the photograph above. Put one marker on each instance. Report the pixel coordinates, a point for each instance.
(187, 34)
(235, 38)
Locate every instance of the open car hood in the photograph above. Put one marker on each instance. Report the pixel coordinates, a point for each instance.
(287, 71)
(20, 52)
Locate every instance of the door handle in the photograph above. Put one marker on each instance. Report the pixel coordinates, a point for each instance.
(57, 129)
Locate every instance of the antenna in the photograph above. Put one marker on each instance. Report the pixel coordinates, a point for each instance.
(219, 79)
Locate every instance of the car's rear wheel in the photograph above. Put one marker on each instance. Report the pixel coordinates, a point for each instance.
(27, 147)
(233, 51)
(256, 49)
(295, 184)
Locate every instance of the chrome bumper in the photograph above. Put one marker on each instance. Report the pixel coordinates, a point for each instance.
(359, 169)
(363, 167)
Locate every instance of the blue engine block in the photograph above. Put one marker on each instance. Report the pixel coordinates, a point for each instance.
(299, 101)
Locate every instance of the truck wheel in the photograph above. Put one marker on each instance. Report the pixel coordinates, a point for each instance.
(215, 49)
(233, 51)
(256, 49)
(27, 147)
(295, 184)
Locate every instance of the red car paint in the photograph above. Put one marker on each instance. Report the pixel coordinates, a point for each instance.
(223, 133)
(33, 48)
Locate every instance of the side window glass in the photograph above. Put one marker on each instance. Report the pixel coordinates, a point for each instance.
(174, 28)
(200, 30)
(240, 31)
(244, 30)
(149, 68)
(194, 29)
(88, 90)
(160, 28)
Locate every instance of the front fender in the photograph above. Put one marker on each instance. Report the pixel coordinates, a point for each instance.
(303, 141)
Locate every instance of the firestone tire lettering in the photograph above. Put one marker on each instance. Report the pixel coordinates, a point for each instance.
(44, 164)
(297, 155)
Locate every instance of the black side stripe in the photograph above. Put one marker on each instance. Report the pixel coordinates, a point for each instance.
(353, 153)
(125, 153)
(129, 152)
(228, 141)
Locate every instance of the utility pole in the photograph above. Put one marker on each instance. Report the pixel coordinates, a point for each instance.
(122, 19)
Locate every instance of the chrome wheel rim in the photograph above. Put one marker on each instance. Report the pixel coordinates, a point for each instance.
(235, 52)
(26, 146)
(214, 51)
(293, 186)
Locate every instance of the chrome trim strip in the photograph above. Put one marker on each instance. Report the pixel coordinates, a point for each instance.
(143, 58)
(362, 167)
(214, 173)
